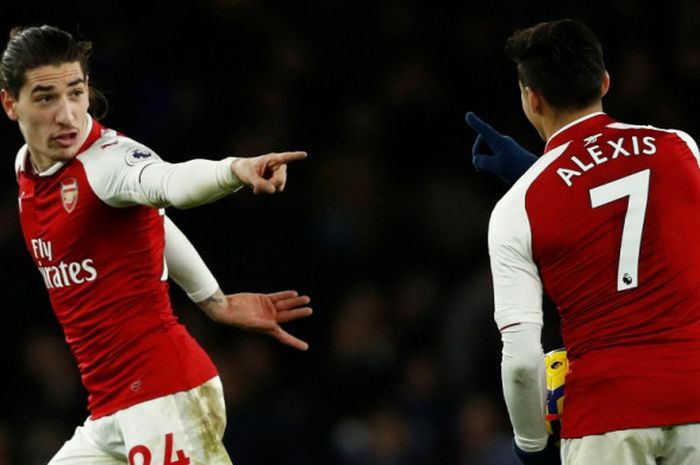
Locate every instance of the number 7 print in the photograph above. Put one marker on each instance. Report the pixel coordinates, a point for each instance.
(636, 187)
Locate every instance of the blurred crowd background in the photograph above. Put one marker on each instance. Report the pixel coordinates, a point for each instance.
(384, 225)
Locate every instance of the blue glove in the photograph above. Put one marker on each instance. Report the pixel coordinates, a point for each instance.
(548, 456)
(496, 153)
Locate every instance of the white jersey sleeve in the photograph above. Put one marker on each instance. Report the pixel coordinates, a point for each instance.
(516, 280)
(124, 173)
(187, 184)
(518, 314)
(185, 266)
(524, 384)
(518, 310)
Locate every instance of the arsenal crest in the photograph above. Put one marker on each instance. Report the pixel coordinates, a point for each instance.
(69, 194)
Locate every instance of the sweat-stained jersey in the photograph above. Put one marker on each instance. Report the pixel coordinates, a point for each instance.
(607, 222)
(105, 274)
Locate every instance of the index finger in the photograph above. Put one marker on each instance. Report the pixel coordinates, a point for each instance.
(286, 157)
(478, 125)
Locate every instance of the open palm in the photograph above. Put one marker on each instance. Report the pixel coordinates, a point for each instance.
(263, 313)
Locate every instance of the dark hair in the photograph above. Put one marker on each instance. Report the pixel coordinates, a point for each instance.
(562, 60)
(36, 46)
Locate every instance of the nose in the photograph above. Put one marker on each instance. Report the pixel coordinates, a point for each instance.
(65, 113)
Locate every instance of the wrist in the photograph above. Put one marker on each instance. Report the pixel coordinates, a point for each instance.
(229, 175)
(528, 444)
(547, 456)
(212, 306)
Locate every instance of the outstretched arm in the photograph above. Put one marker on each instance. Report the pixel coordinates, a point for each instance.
(496, 153)
(261, 313)
(197, 182)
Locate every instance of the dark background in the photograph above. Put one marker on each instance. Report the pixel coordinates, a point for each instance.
(384, 225)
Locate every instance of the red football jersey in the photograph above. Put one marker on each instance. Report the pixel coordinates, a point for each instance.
(607, 220)
(104, 271)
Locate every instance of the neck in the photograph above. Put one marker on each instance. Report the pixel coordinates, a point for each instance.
(556, 120)
(40, 164)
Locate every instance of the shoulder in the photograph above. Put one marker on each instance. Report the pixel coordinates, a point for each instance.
(659, 132)
(670, 136)
(113, 164)
(644, 128)
(113, 155)
(509, 219)
(116, 149)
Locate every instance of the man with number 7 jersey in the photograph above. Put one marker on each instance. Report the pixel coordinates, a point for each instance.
(606, 222)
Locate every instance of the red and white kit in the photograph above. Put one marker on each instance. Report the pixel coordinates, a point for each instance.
(606, 222)
(95, 228)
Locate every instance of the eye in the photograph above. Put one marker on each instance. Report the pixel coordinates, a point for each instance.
(44, 98)
(77, 92)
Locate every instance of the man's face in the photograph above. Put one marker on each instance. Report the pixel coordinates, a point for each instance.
(51, 110)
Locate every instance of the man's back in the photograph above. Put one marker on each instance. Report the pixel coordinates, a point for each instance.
(610, 209)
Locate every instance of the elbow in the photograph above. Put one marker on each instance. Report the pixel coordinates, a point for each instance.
(525, 375)
(525, 367)
(182, 202)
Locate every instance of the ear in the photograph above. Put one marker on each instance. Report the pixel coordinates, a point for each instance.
(8, 104)
(605, 86)
(534, 100)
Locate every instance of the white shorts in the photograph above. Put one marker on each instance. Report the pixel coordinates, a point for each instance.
(672, 445)
(185, 428)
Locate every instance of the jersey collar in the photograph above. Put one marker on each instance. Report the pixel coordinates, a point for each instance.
(94, 133)
(578, 127)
